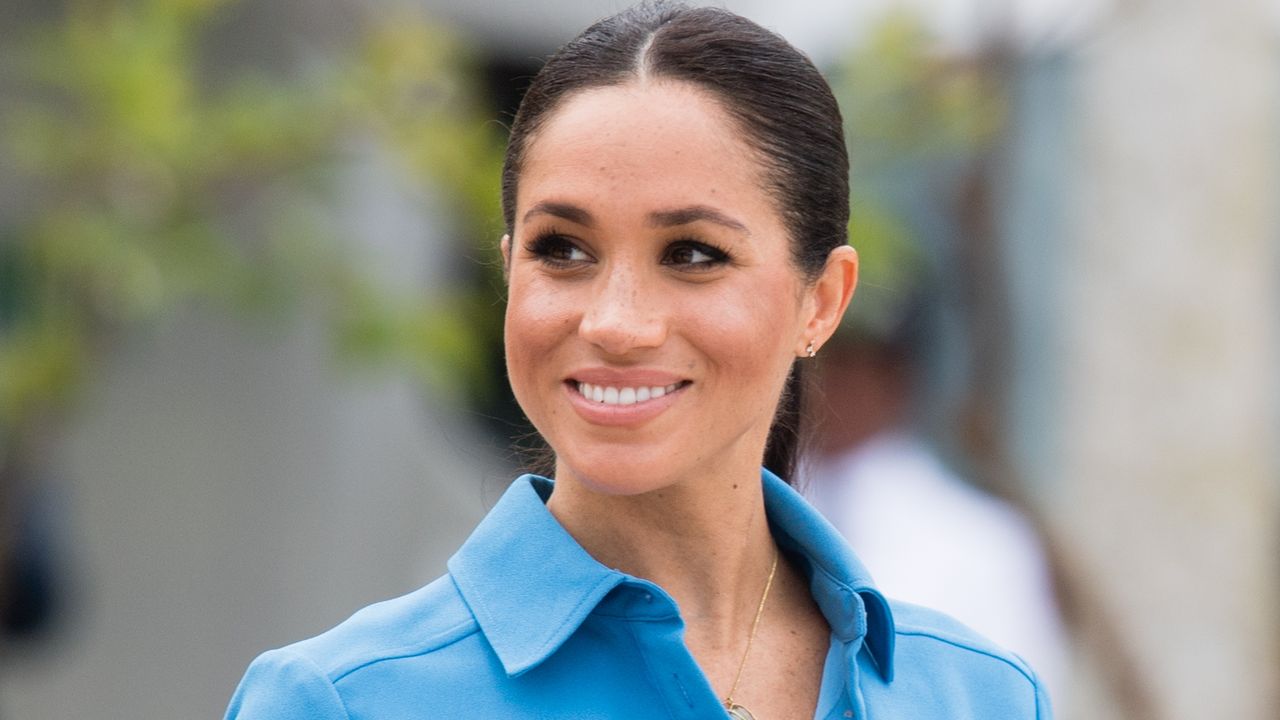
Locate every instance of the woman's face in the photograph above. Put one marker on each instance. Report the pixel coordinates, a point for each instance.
(653, 309)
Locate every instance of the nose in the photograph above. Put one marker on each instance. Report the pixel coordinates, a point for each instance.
(623, 313)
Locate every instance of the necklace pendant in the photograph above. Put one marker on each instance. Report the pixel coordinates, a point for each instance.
(737, 712)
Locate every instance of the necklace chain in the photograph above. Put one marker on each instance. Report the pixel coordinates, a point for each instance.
(728, 700)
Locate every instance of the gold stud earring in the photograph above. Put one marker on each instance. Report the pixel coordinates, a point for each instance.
(810, 351)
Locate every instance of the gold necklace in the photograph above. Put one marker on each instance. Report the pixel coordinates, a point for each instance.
(736, 711)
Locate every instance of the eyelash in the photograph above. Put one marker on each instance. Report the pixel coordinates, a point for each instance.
(547, 246)
(717, 256)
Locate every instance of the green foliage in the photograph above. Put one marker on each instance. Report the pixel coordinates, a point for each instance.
(147, 189)
(905, 110)
(429, 114)
(903, 101)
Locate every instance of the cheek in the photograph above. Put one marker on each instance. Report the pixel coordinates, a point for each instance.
(748, 331)
(536, 320)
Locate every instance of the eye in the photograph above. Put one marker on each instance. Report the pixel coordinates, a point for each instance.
(557, 250)
(694, 255)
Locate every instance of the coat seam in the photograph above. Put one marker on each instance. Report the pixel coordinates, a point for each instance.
(649, 671)
(963, 646)
(333, 687)
(453, 635)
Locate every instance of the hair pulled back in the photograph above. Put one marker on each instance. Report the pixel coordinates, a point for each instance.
(782, 105)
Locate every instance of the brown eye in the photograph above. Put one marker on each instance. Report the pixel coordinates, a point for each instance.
(557, 250)
(690, 254)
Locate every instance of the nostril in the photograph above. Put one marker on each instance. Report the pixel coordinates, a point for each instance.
(619, 334)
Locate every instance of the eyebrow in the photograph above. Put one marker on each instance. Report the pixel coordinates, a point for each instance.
(657, 218)
(572, 213)
(694, 213)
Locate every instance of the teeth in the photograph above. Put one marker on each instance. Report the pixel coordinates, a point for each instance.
(624, 395)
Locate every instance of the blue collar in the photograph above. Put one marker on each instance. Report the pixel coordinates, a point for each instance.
(530, 585)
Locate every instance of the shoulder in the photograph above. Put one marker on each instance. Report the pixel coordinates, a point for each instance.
(419, 623)
(304, 680)
(938, 633)
(935, 650)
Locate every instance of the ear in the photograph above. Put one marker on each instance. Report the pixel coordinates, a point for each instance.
(827, 298)
(505, 246)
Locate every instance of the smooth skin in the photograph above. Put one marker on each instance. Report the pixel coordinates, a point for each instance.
(646, 251)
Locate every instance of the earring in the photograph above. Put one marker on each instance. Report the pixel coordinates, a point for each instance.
(810, 351)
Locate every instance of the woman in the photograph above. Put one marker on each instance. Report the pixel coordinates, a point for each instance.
(675, 196)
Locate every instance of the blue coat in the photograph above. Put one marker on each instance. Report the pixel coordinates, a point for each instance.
(526, 624)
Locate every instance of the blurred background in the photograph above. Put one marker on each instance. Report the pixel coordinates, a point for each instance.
(250, 311)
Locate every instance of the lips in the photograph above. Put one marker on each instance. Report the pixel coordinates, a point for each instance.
(610, 396)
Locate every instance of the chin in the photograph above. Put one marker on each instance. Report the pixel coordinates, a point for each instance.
(620, 472)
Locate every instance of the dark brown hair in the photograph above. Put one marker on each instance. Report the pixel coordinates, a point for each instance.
(781, 103)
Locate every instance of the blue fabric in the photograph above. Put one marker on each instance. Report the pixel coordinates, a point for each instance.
(526, 624)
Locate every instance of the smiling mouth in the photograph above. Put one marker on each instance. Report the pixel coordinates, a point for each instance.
(622, 395)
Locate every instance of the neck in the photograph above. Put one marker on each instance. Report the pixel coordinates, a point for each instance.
(706, 542)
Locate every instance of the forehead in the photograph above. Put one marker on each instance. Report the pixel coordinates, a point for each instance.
(640, 145)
